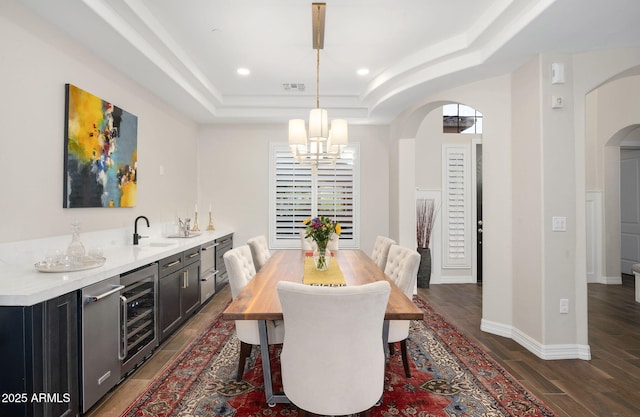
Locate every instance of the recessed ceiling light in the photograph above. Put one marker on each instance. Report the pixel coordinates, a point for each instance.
(363, 71)
(243, 71)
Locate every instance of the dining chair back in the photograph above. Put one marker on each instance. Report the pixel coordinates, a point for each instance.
(241, 270)
(334, 243)
(332, 358)
(306, 243)
(402, 267)
(380, 251)
(259, 251)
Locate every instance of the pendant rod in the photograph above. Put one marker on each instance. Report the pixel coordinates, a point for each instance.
(318, 15)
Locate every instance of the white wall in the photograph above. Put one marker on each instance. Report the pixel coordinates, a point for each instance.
(35, 63)
(234, 177)
(559, 200)
(527, 199)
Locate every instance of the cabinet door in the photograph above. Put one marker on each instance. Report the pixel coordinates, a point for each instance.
(190, 289)
(61, 356)
(41, 358)
(169, 308)
(18, 352)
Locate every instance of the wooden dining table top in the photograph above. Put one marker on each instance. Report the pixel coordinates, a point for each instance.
(258, 300)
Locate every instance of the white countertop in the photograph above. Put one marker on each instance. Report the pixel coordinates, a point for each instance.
(22, 285)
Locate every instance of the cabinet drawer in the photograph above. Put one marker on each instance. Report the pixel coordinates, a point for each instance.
(191, 255)
(171, 264)
(224, 244)
(208, 257)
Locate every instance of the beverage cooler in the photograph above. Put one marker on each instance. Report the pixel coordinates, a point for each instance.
(139, 316)
(119, 330)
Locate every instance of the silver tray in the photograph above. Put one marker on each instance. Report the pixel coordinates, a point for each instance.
(87, 263)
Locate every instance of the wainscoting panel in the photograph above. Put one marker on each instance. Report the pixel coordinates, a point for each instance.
(594, 237)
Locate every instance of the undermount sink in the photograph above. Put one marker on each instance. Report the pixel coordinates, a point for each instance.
(182, 236)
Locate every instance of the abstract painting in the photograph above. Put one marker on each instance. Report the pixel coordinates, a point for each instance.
(101, 152)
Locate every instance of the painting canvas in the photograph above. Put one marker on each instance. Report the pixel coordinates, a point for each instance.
(101, 142)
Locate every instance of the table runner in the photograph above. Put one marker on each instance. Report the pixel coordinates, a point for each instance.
(332, 277)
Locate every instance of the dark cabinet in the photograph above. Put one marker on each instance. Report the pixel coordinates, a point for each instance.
(190, 296)
(178, 289)
(224, 244)
(39, 359)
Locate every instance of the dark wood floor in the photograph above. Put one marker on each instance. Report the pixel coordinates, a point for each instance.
(606, 386)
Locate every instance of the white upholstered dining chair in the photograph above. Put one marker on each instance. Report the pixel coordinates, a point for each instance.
(306, 243)
(402, 268)
(381, 250)
(334, 243)
(241, 270)
(333, 359)
(259, 251)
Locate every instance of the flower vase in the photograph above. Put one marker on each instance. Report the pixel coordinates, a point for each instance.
(424, 269)
(321, 258)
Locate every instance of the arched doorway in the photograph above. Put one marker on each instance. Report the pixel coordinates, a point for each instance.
(613, 113)
(448, 162)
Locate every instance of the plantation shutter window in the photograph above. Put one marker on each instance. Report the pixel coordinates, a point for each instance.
(293, 195)
(297, 192)
(456, 207)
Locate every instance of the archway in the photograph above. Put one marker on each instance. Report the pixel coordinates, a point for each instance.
(613, 115)
(446, 170)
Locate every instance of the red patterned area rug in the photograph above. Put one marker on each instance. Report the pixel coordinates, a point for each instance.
(451, 376)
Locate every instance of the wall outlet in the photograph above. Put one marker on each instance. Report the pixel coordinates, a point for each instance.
(564, 306)
(559, 224)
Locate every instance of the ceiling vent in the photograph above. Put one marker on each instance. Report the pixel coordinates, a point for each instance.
(293, 87)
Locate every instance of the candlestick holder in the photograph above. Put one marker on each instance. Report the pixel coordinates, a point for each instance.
(210, 227)
(195, 227)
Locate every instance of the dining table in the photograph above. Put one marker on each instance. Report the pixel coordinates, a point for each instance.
(259, 301)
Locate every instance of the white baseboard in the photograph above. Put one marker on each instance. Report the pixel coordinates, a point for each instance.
(461, 279)
(493, 327)
(612, 280)
(546, 352)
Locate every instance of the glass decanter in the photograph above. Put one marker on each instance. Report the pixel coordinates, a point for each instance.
(75, 250)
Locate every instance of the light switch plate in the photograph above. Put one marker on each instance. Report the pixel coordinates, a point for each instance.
(564, 306)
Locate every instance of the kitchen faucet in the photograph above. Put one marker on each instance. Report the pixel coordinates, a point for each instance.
(136, 236)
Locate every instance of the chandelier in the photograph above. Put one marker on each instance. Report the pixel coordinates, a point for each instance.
(322, 145)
